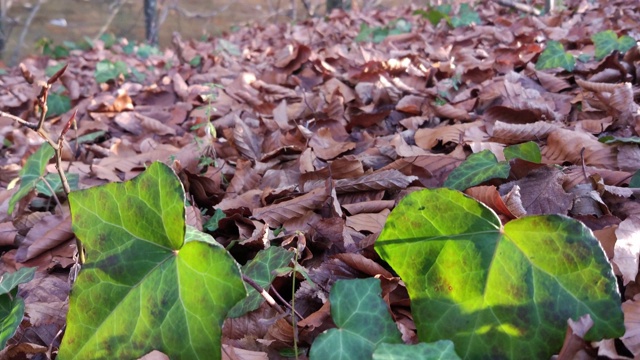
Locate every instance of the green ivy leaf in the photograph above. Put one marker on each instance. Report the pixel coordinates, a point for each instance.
(212, 224)
(554, 56)
(605, 42)
(498, 292)
(465, 17)
(12, 306)
(56, 184)
(57, 104)
(50, 70)
(635, 180)
(145, 285)
(364, 34)
(433, 15)
(614, 139)
(442, 349)
(363, 322)
(476, 169)
(528, 151)
(31, 172)
(107, 70)
(625, 43)
(261, 270)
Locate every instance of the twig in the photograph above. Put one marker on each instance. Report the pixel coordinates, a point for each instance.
(55, 197)
(263, 293)
(519, 6)
(25, 29)
(41, 100)
(286, 304)
(117, 6)
(196, 15)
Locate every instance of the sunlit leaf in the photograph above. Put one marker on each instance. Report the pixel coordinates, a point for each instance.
(145, 285)
(498, 292)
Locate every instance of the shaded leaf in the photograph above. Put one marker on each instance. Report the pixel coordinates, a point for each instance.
(497, 292)
(12, 306)
(173, 298)
(56, 184)
(363, 322)
(261, 270)
(478, 168)
(57, 104)
(605, 42)
(31, 172)
(465, 17)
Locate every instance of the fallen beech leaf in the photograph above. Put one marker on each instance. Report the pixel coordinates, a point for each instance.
(49, 232)
(541, 192)
(277, 214)
(627, 249)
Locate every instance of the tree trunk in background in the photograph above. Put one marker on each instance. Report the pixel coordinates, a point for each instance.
(151, 21)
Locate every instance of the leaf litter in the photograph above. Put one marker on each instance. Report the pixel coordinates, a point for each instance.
(314, 137)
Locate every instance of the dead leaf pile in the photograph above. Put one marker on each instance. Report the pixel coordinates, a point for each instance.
(315, 137)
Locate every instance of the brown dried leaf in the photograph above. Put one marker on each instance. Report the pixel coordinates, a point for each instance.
(49, 232)
(277, 214)
(541, 192)
(627, 249)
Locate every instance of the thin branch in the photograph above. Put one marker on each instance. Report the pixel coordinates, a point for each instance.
(117, 6)
(197, 15)
(263, 293)
(22, 122)
(25, 30)
(519, 6)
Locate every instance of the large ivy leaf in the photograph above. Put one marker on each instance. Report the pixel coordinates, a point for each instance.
(363, 322)
(442, 349)
(144, 285)
(498, 292)
(476, 169)
(554, 56)
(261, 270)
(31, 172)
(12, 306)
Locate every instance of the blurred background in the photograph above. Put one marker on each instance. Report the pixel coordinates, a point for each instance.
(25, 23)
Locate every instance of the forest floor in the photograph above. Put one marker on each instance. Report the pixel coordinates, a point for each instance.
(305, 136)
